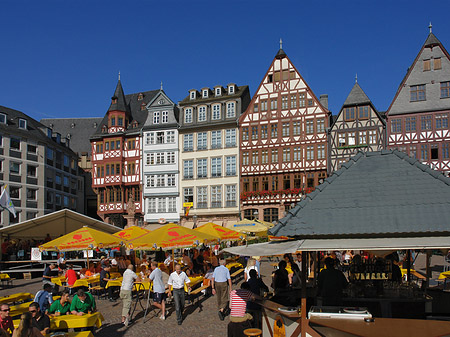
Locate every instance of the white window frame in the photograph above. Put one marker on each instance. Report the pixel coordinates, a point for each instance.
(202, 141)
(230, 137)
(216, 139)
(165, 117)
(231, 89)
(22, 123)
(205, 93)
(216, 167)
(156, 115)
(3, 118)
(188, 115)
(202, 168)
(230, 162)
(202, 113)
(231, 109)
(215, 112)
(218, 92)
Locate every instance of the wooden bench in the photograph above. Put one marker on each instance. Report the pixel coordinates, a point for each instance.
(197, 291)
(237, 274)
(99, 290)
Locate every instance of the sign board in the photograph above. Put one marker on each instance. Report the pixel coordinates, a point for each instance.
(36, 254)
(91, 253)
(162, 220)
(188, 204)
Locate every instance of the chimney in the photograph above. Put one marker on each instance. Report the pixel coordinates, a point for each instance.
(324, 100)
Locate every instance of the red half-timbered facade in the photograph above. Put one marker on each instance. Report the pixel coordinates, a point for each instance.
(418, 115)
(117, 158)
(283, 143)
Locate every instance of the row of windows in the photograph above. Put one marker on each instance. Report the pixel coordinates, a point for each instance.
(281, 75)
(215, 198)
(162, 205)
(160, 158)
(160, 117)
(357, 138)
(418, 92)
(216, 140)
(113, 145)
(61, 200)
(215, 111)
(287, 102)
(160, 137)
(217, 91)
(114, 170)
(437, 64)
(426, 123)
(14, 193)
(160, 180)
(216, 169)
(117, 194)
(257, 157)
(350, 113)
(22, 122)
(287, 129)
(275, 183)
(427, 152)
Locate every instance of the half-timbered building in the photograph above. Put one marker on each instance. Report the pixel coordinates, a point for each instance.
(357, 127)
(418, 115)
(209, 153)
(283, 142)
(117, 157)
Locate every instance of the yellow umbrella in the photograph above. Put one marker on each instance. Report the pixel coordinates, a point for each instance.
(248, 226)
(170, 236)
(82, 239)
(266, 223)
(131, 233)
(225, 234)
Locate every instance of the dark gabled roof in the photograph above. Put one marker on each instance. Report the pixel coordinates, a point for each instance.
(238, 92)
(376, 194)
(357, 96)
(78, 130)
(120, 104)
(431, 40)
(281, 54)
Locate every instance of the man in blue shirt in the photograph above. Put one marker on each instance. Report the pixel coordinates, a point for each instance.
(44, 297)
(159, 289)
(219, 282)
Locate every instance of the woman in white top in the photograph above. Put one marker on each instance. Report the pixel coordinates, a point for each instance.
(251, 264)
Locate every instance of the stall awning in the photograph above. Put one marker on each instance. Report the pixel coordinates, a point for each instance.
(56, 224)
(375, 244)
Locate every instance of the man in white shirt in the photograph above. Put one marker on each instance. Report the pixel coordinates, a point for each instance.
(159, 290)
(177, 279)
(168, 259)
(129, 276)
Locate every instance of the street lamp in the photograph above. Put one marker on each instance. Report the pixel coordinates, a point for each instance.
(195, 221)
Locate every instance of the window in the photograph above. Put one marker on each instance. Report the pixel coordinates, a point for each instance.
(188, 169)
(218, 92)
(254, 132)
(445, 89)
(170, 137)
(22, 124)
(216, 167)
(31, 194)
(274, 183)
(113, 121)
(274, 155)
(285, 129)
(255, 156)
(284, 102)
(301, 100)
(171, 180)
(362, 138)
(205, 93)
(286, 182)
(231, 89)
(30, 148)
(106, 146)
(202, 197)
(351, 138)
(152, 205)
(372, 137)
(66, 161)
(437, 63)
(165, 117)
(273, 104)
(425, 122)
(445, 151)
(150, 181)
(349, 114)
(297, 153)
(230, 162)
(274, 130)
(245, 158)
(216, 112)
(320, 151)
(396, 125)
(264, 105)
(216, 139)
(310, 153)
(296, 127)
(442, 121)
(417, 93)
(434, 151)
(320, 125)
(230, 196)
(424, 152)
(264, 156)
(188, 142)
(202, 168)
(244, 133)
(410, 124)
(426, 65)
(293, 101)
(156, 117)
(342, 139)
(265, 183)
(264, 131)
(31, 171)
(14, 143)
(14, 192)
(271, 215)
(216, 196)
(309, 126)
(202, 114)
(363, 112)
(172, 204)
(230, 137)
(160, 180)
(202, 143)
(14, 167)
(192, 94)
(120, 121)
(287, 155)
(66, 179)
(188, 115)
(231, 109)
(160, 158)
(2, 118)
(255, 107)
(160, 137)
(310, 180)
(413, 151)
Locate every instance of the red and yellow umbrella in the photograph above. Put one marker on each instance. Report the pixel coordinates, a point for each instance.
(224, 234)
(131, 233)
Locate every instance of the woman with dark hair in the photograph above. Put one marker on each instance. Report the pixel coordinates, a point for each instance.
(26, 328)
(280, 279)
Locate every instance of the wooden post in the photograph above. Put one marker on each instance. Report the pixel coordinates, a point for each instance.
(87, 256)
(408, 265)
(303, 303)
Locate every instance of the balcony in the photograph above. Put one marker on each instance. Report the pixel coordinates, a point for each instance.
(216, 204)
(216, 174)
(188, 149)
(187, 177)
(230, 144)
(231, 173)
(202, 205)
(216, 146)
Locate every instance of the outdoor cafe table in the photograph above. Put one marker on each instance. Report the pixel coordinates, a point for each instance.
(19, 309)
(4, 276)
(86, 281)
(444, 275)
(15, 298)
(234, 265)
(194, 281)
(72, 334)
(138, 286)
(73, 321)
(59, 280)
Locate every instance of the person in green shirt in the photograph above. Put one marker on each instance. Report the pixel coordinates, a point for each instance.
(61, 307)
(82, 303)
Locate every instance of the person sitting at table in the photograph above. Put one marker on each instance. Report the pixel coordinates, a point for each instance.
(396, 271)
(187, 260)
(70, 275)
(61, 306)
(83, 273)
(331, 283)
(168, 260)
(82, 303)
(44, 297)
(26, 327)
(214, 261)
(280, 280)
(159, 290)
(200, 262)
(48, 274)
(6, 322)
(98, 268)
(40, 320)
(105, 276)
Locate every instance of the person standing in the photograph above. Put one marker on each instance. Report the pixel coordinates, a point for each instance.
(129, 276)
(331, 283)
(105, 276)
(159, 290)
(221, 286)
(257, 286)
(177, 280)
(6, 322)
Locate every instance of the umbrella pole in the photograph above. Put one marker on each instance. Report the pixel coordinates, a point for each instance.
(87, 256)
(173, 259)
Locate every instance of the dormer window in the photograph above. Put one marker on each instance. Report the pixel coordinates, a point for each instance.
(231, 89)
(218, 92)
(205, 93)
(140, 96)
(22, 124)
(142, 106)
(3, 118)
(104, 128)
(113, 100)
(72, 125)
(134, 124)
(192, 94)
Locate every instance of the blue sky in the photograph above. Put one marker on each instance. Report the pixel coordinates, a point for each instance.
(60, 59)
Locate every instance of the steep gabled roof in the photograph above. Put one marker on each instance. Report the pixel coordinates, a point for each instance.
(118, 100)
(431, 40)
(376, 194)
(357, 96)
